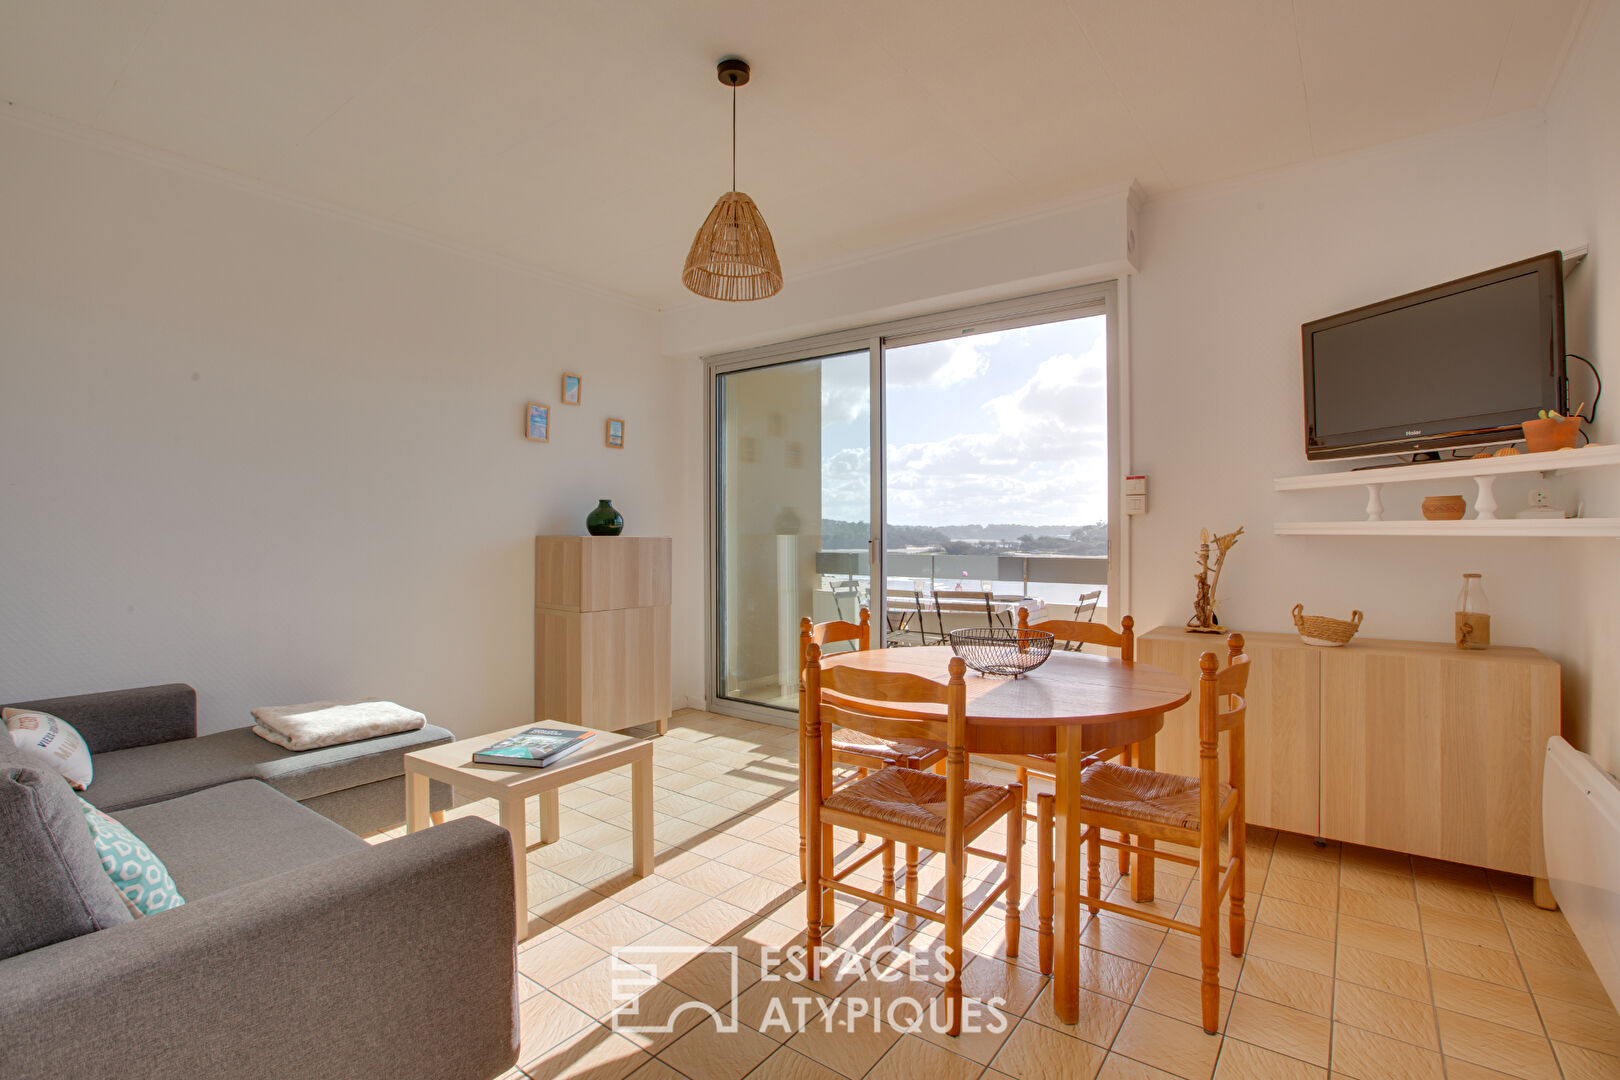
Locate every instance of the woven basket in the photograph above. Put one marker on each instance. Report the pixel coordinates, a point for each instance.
(1321, 630)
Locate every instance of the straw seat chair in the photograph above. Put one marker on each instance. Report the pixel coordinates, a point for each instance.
(1179, 810)
(1076, 634)
(856, 748)
(902, 805)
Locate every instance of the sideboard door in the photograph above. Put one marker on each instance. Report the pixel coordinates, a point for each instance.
(1282, 731)
(1433, 751)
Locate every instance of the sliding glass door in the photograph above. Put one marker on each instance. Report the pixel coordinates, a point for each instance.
(794, 494)
(996, 478)
(983, 442)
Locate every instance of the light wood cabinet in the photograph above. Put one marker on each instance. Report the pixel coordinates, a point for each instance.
(601, 630)
(1438, 751)
(1282, 734)
(1409, 746)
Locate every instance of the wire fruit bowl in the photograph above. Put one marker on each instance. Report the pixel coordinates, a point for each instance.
(1001, 650)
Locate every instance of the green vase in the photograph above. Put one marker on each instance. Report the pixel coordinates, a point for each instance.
(604, 520)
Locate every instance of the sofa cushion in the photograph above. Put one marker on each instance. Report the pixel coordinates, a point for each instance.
(135, 871)
(49, 741)
(53, 887)
(145, 774)
(237, 833)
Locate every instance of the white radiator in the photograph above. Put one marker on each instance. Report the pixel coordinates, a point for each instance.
(1580, 822)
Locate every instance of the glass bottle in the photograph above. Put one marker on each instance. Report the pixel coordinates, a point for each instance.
(1473, 619)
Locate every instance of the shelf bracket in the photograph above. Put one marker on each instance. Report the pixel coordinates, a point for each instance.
(1485, 501)
(1375, 502)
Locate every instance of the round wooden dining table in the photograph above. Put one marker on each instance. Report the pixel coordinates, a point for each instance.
(1073, 705)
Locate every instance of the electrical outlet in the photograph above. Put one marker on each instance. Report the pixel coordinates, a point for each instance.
(1540, 497)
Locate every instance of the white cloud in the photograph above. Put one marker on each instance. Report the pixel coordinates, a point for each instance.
(939, 364)
(1045, 463)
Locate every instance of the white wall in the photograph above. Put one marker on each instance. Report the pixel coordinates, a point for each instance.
(1228, 275)
(277, 453)
(1583, 164)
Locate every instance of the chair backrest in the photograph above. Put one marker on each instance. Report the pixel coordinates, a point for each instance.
(1088, 633)
(1086, 605)
(834, 631)
(961, 599)
(875, 702)
(909, 598)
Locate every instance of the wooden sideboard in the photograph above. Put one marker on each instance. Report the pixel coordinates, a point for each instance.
(601, 630)
(1409, 746)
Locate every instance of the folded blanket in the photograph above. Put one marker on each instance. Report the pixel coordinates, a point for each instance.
(327, 723)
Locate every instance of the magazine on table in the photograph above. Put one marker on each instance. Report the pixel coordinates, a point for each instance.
(535, 748)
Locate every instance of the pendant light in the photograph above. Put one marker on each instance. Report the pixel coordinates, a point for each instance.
(732, 256)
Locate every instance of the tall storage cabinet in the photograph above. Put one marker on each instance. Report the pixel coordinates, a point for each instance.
(601, 630)
(1409, 746)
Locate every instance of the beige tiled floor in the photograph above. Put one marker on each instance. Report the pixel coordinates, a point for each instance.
(1363, 963)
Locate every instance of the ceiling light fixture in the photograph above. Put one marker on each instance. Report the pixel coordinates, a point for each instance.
(732, 256)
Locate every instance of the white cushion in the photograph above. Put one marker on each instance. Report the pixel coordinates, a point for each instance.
(49, 742)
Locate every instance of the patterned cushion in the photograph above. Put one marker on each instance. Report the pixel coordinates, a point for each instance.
(50, 743)
(135, 871)
(913, 798)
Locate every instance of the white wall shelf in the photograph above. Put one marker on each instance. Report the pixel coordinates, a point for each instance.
(1600, 527)
(1483, 471)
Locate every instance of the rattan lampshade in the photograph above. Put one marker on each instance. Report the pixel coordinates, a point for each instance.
(733, 256)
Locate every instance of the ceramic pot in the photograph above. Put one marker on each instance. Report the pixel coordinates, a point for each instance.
(1551, 434)
(1444, 507)
(604, 520)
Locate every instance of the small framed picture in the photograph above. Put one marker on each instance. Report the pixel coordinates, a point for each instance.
(537, 421)
(795, 455)
(615, 434)
(748, 449)
(570, 390)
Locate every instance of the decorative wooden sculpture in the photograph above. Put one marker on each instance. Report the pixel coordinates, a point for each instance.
(1203, 620)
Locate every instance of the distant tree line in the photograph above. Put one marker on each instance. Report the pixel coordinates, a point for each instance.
(974, 539)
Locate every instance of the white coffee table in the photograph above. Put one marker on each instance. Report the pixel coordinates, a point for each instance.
(511, 787)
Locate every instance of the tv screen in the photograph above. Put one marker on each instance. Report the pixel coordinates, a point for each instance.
(1460, 364)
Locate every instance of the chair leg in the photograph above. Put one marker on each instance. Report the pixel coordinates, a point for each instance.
(1093, 840)
(1209, 927)
(911, 876)
(1015, 867)
(1127, 757)
(1239, 860)
(828, 901)
(954, 874)
(812, 901)
(888, 877)
(1023, 778)
(860, 774)
(1045, 814)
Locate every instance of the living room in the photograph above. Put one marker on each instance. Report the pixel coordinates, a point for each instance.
(279, 285)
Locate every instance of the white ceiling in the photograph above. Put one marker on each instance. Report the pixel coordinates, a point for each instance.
(590, 138)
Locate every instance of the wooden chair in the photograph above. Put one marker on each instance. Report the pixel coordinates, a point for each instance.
(902, 805)
(1179, 810)
(857, 749)
(1077, 633)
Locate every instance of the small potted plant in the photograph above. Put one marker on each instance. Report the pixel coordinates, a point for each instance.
(1552, 431)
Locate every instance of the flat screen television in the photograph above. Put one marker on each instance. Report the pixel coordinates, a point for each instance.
(1459, 364)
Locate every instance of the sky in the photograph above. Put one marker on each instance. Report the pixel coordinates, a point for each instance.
(1001, 427)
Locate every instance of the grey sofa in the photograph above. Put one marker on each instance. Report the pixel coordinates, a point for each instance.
(302, 951)
(144, 747)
